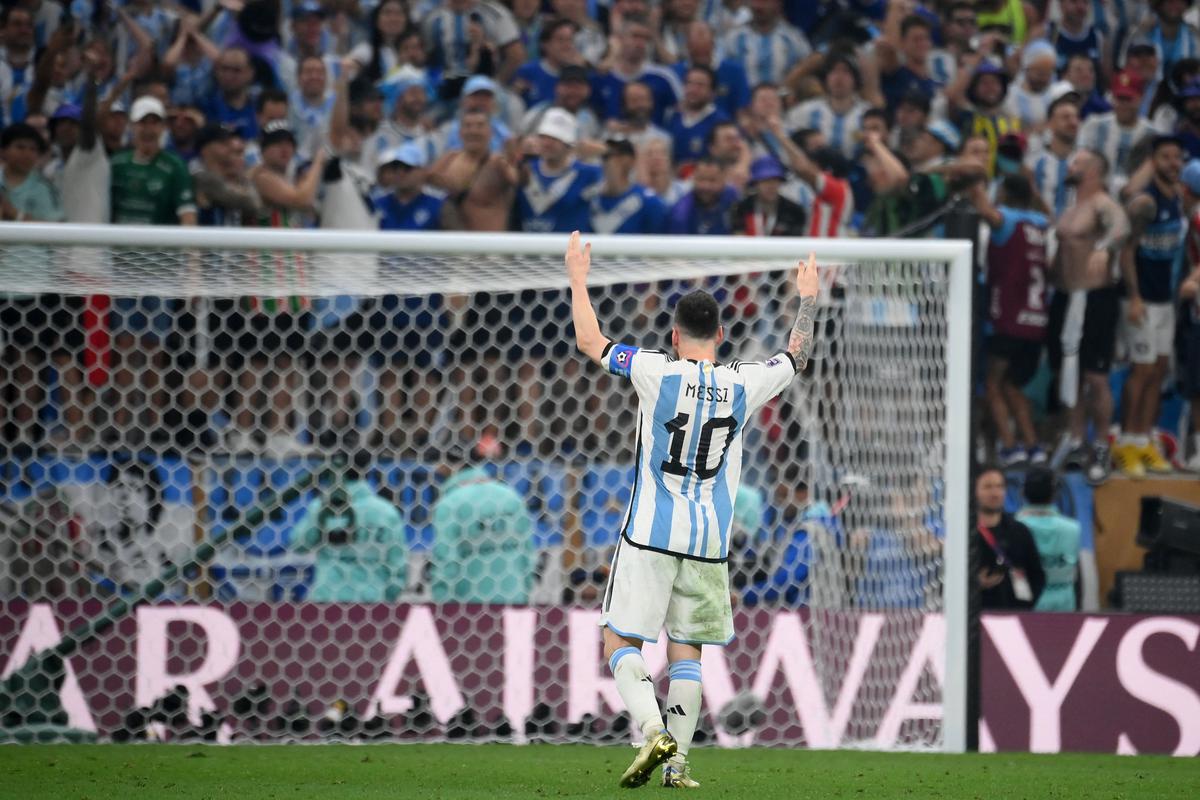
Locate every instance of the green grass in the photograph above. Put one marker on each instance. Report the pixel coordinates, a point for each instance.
(498, 772)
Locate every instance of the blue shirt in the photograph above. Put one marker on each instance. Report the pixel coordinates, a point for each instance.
(733, 88)
(689, 217)
(541, 80)
(1160, 248)
(896, 84)
(422, 213)
(638, 210)
(607, 90)
(690, 137)
(558, 203)
(241, 119)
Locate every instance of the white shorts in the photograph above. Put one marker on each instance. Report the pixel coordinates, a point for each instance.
(1154, 338)
(648, 591)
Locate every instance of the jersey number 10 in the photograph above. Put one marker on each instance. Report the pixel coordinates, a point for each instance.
(678, 429)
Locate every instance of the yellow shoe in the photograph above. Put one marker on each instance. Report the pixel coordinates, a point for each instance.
(656, 750)
(1128, 460)
(677, 774)
(1153, 460)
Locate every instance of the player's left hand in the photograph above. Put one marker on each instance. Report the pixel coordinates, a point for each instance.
(579, 259)
(808, 281)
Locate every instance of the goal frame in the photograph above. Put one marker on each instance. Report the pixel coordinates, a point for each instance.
(957, 254)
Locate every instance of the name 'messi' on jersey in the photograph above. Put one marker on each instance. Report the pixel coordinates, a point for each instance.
(688, 457)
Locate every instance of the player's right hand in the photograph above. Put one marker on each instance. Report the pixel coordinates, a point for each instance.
(1136, 311)
(807, 278)
(579, 259)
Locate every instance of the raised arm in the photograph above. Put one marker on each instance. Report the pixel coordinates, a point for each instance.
(800, 342)
(588, 338)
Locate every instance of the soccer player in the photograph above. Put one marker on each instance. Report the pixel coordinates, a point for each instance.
(670, 563)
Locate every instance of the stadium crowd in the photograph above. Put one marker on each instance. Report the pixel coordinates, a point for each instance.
(1071, 127)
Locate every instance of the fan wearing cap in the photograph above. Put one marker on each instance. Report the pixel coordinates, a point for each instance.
(691, 123)
(536, 80)
(621, 205)
(558, 189)
(764, 212)
(224, 195)
(629, 62)
(479, 94)
(1115, 133)
(571, 93)
(902, 53)
(733, 88)
(1049, 162)
(1158, 231)
(409, 206)
(1017, 307)
(459, 31)
(150, 186)
(288, 201)
(1141, 59)
(838, 114)
(1028, 98)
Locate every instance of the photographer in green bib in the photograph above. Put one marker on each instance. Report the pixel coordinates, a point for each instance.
(358, 539)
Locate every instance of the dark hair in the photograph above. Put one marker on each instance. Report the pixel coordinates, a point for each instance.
(712, 132)
(8, 11)
(915, 21)
(553, 26)
(305, 59)
(986, 469)
(269, 96)
(880, 113)
(765, 85)
(708, 71)
(801, 138)
(1039, 485)
(830, 159)
(374, 68)
(20, 131)
(697, 315)
(1017, 191)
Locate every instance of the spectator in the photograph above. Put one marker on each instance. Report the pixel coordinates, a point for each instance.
(189, 63)
(590, 40)
(1049, 163)
(1085, 311)
(358, 539)
(382, 53)
(473, 38)
(958, 31)
(481, 185)
(733, 88)
(25, 196)
(311, 105)
(536, 80)
(483, 542)
(408, 120)
(903, 55)
(82, 163)
(1017, 304)
(182, 126)
(1175, 39)
(747, 565)
(271, 106)
(912, 118)
(1141, 59)
(1115, 134)
(628, 61)
(558, 189)
(838, 114)
(1074, 34)
(1187, 118)
(708, 208)
(1029, 98)
(1081, 76)
(150, 186)
(656, 172)
(1156, 241)
(571, 93)
(224, 195)
(1010, 570)
(621, 205)
(978, 98)
(1008, 15)
(288, 201)
(692, 122)
(478, 95)
(1057, 538)
(637, 112)
(16, 61)
(233, 102)
(764, 212)
(409, 206)
(728, 146)
(767, 46)
(529, 19)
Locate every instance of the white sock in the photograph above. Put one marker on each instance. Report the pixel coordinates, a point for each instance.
(637, 689)
(683, 702)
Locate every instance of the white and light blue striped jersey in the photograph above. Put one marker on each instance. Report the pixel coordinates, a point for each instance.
(767, 57)
(689, 445)
(1027, 105)
(446, 33)
(1050, 179)
(840, 130)
(1102, 133)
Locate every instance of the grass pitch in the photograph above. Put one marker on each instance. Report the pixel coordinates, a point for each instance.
(498, 772)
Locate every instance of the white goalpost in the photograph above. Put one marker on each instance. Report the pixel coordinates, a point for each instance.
(206, 366)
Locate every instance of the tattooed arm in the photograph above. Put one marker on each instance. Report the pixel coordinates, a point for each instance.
(800, 341)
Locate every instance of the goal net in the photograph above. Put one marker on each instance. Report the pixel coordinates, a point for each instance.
(381, 488)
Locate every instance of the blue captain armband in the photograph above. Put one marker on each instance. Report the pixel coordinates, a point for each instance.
(618, 358)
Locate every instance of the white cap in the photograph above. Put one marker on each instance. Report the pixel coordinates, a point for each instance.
(146, 105)
(558, 123)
